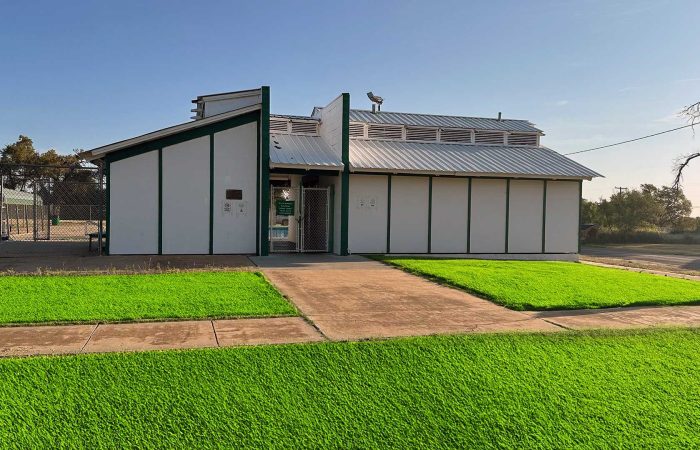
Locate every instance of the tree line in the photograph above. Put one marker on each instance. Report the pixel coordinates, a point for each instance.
(647, 208)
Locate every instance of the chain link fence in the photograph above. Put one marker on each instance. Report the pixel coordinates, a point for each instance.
(52, 203)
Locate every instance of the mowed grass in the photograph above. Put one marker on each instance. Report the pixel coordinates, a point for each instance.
(584, 390)
(543, 285)
(36, 299)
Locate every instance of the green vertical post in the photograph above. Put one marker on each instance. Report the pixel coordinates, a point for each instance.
(507, 210)
(388, 214)
(211, 194)
(160, 201)
(430, 213)
(107, 166)
(580, 218)
(469, 216)
(345, 177)
(331, 218)
(544, 215)
(265, 171)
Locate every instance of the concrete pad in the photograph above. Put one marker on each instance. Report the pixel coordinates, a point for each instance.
(44, 340)
(151, 336)
(629, 317)
(370, 300)
(278, 330)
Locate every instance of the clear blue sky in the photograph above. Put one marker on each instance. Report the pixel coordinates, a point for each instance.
(80, 74)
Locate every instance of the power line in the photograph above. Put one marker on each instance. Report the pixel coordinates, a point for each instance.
(631, 140)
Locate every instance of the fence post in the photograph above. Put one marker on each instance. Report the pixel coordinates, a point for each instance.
(35, 230)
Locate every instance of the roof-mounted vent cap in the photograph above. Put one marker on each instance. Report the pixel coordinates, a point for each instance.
(499, 116)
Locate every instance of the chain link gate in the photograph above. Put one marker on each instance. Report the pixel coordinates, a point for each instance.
(34, 207)
(299, 219)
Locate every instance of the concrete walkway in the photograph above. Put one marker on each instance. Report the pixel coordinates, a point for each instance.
(140, 336)
(356, 298)
(348, 298)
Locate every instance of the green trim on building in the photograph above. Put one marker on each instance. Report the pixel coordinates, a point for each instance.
(182, 137)
(469, 216)
(345, 177)
(388, 214)
(107, 206)
(160, 201)
(211, 194)
(507, 211)
(331, 217)
(580, 218)
(264, 197)
(544, 215)
(430, 213)
(257, 192)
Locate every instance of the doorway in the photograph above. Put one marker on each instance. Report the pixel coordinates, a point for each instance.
(299, 219)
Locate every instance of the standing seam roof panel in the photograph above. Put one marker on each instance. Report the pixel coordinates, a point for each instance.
(451, 158)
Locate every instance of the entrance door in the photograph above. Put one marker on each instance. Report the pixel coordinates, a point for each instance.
(314, 230)
(299, 219)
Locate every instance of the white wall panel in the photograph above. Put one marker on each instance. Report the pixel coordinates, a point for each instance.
(488, 218)
(449, 215)
(409, 214)
(562, 223)
(525, 218)
(235, 165)
(133, 205)
(186, 197)
(367, 214)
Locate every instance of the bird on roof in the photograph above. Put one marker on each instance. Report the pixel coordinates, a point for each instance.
(375, 98)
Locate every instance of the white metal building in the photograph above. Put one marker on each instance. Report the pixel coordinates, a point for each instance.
(239, 180)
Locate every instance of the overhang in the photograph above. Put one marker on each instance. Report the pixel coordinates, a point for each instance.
(463, 160)
(99, 152)
(293, 151)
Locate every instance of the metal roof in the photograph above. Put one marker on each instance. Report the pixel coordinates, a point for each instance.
(301, 151)
(100, 151)
(431, 120)
(457, 159)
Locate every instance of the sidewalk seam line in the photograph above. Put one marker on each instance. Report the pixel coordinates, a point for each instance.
(89, 337)
(216, 337)
(556, 324)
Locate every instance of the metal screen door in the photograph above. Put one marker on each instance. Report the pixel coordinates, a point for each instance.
(299, 219)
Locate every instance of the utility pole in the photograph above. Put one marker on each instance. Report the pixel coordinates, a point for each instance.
(621, 189)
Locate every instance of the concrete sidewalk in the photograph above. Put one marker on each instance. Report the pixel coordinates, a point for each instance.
(140, 336)
(345, 298)
(357, 298)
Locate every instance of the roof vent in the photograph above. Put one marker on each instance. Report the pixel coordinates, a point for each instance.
(421, 134)
(279, 125)
(489, 137)
(456, 135)
(303, 127)
(522, 139)
(385, 131)
(357, 130)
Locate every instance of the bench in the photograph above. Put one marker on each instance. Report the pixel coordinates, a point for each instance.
(95, 236)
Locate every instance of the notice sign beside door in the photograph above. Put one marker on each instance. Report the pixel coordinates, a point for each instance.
(284, 207)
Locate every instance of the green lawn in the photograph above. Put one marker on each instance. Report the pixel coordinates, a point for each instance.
(27, 299)
(542, 285)
(585, 390)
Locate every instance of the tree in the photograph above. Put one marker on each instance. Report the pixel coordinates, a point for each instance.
(692, 113)
(675, 205)
(21, 164)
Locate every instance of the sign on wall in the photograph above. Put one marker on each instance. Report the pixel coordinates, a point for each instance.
(284, 207)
